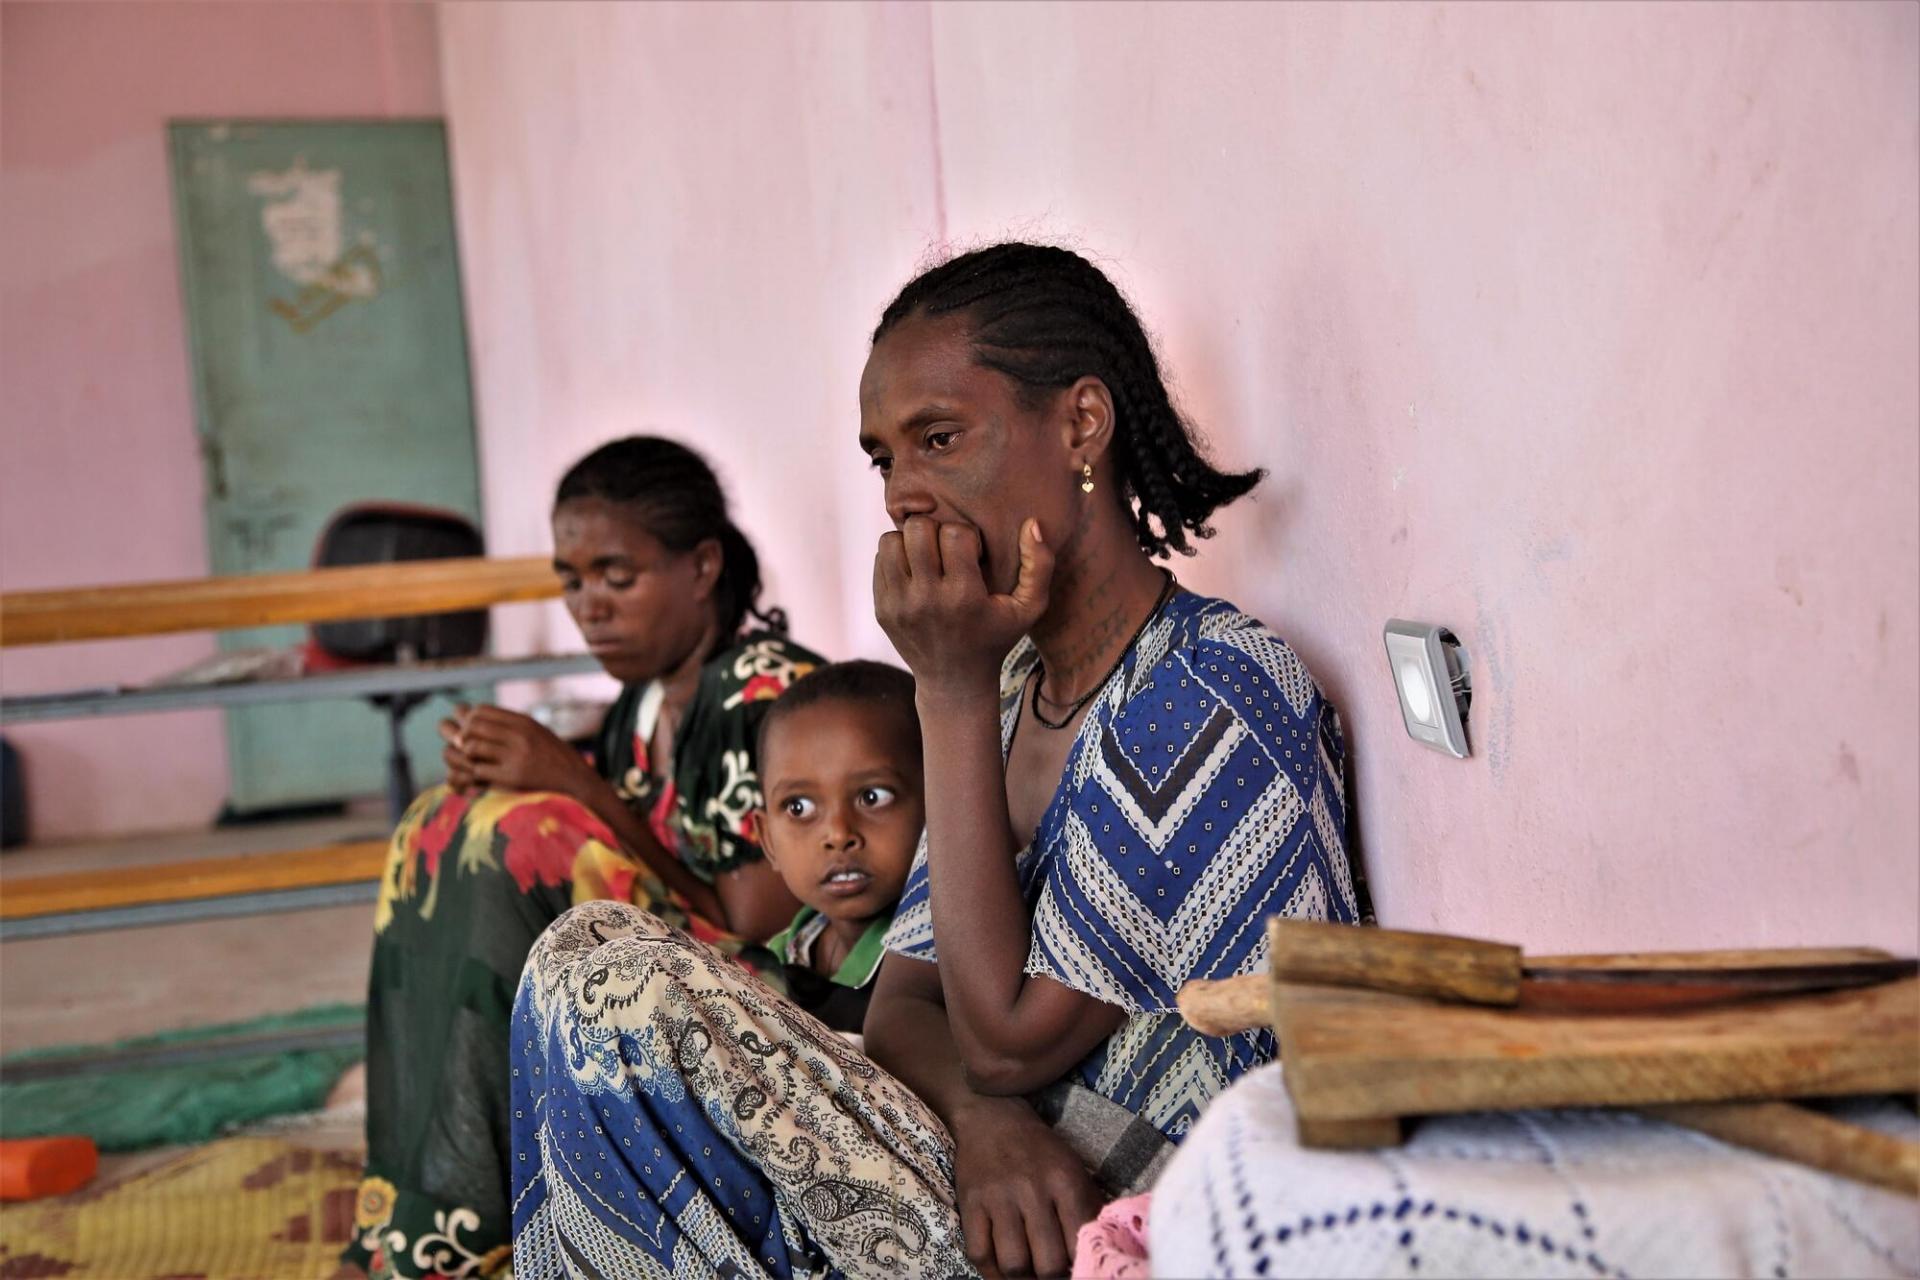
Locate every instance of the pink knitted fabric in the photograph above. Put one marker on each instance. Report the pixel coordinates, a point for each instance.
(1114, 1245)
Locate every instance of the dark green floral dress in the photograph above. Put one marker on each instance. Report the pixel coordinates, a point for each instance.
(471, 881)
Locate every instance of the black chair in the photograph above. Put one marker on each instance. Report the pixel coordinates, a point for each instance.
(13, 798)
(382, 533)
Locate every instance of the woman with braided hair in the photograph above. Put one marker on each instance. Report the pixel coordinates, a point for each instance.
(1123, 780)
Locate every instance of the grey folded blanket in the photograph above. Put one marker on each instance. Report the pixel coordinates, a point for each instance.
(1124, 1153)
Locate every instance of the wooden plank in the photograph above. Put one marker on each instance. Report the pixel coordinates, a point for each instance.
(316, 595)
(23, 897)
(1350, 1135)
(1353, 1055)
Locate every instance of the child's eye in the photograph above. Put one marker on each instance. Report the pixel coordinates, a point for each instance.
(620, 583)
(797, 807)
(941, 441)
(876, 797)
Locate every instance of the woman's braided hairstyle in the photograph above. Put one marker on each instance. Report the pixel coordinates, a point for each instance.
(1046, 317)
(675, 496)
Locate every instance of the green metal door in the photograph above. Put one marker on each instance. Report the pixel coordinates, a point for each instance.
(330, 367)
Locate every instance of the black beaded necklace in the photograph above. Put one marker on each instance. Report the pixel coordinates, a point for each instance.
(1037, 676)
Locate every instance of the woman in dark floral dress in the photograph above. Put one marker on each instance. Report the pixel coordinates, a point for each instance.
(663, 587)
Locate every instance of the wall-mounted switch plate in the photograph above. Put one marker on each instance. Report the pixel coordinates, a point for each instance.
(1430, 674)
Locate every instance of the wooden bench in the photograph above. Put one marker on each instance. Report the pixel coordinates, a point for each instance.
(47, 905)
(250, 884)
(257, 600)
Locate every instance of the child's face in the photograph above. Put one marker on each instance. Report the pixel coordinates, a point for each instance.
(844, 806)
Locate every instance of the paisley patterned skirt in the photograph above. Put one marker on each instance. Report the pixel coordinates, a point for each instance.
(470, 883)
(673, 1117)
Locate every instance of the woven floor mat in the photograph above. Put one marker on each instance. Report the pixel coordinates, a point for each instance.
(234, 1209)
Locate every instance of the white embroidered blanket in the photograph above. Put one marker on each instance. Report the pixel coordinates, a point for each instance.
(1537, 1193)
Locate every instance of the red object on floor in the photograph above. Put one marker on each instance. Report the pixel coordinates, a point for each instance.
(35, 1168)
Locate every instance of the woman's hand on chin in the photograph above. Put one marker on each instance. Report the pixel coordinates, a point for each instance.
(1023, 1194)
(931, 598)
(494, 747)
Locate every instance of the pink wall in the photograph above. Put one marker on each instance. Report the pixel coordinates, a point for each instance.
(1587, 331)
(654, 201)
(101, 474)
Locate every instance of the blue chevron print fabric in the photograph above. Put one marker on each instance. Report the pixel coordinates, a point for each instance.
(1204, 792)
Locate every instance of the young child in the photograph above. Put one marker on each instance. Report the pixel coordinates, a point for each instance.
(839, 757)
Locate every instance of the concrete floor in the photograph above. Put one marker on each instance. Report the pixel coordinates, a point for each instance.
(95, 987)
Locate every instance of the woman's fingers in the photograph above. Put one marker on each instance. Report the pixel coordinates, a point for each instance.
(922, 535)
(960, 550)
(889, 566)
(501, 728)
(1034, 587)
(1011, 1252)
(479, 730)
(1047, 1234)
(976, 1233)
(459, 768)
(493, 750)
(499, 719)
(1047, 1243)
(1077, 1207)
(488, 750)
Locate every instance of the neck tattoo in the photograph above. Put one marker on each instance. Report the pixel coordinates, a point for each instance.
(1037, 676)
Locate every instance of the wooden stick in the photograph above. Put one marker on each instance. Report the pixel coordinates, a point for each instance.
(1766, 957)
(1413, 964)
(402, 589)
(1805, 1137)
(1228, 1006)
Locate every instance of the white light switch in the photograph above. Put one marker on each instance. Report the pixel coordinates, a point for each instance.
(1430, 674)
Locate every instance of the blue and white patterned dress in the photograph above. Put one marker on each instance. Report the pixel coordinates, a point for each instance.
(1204, 792)
(675, 1118)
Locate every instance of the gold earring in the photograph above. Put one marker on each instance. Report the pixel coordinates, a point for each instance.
(1086, 477)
